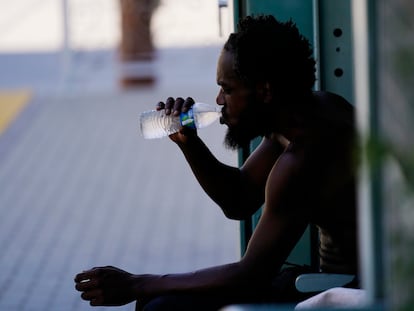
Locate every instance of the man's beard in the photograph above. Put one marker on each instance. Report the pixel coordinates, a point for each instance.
(251, 125)
(237, 138)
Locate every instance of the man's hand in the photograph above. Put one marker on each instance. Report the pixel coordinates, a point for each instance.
(106, 286)
(175, 107)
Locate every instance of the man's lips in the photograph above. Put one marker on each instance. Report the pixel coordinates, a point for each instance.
(223, 116)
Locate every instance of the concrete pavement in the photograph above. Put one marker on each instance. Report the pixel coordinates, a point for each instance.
(80, 188)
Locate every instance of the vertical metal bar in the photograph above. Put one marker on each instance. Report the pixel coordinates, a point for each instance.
(370, 209)
(243, 153)
(360, 33)
(66, 52)
(246, 226)
(65, 19)
(316, 43)
(219, 22)
(376, 170)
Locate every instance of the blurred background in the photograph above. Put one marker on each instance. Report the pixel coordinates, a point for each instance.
(79, 186)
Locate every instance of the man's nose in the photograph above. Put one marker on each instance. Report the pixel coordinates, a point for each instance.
(220, 98)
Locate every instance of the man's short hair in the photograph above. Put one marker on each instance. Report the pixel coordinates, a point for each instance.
(265, 49)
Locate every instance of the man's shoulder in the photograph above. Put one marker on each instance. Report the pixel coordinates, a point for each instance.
(334, 114)
(291, 161)
(334, 103)
(329, 97)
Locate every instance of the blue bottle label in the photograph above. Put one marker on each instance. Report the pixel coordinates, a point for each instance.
(187, 119)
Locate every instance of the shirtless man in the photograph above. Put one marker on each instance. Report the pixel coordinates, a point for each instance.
(303, 172)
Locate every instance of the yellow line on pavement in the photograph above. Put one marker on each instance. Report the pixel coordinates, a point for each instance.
(11, 104)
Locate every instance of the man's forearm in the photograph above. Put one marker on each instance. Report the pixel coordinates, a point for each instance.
(225, 184)
(211, 280)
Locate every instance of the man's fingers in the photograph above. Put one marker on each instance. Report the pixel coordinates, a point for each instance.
(86, 275)
(188, 103)
(160, 106)
(87, 285)
(177, 106)
(92, 294)
(169, 105)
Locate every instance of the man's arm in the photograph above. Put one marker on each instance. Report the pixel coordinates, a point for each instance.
(238, 191)
(279, 229)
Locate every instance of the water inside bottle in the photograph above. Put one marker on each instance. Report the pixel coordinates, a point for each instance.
(206, 118)
(155, 124)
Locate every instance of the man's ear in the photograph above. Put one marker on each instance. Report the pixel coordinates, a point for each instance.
(265, 91)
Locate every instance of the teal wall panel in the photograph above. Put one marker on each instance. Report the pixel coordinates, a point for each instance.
(300, 11)
(334, 35)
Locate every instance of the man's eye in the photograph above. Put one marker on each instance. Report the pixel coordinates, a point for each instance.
(226, 90)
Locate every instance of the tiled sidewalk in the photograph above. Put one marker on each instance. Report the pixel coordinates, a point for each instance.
(80, 188)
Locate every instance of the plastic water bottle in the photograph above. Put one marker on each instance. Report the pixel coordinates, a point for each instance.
(156, 124)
